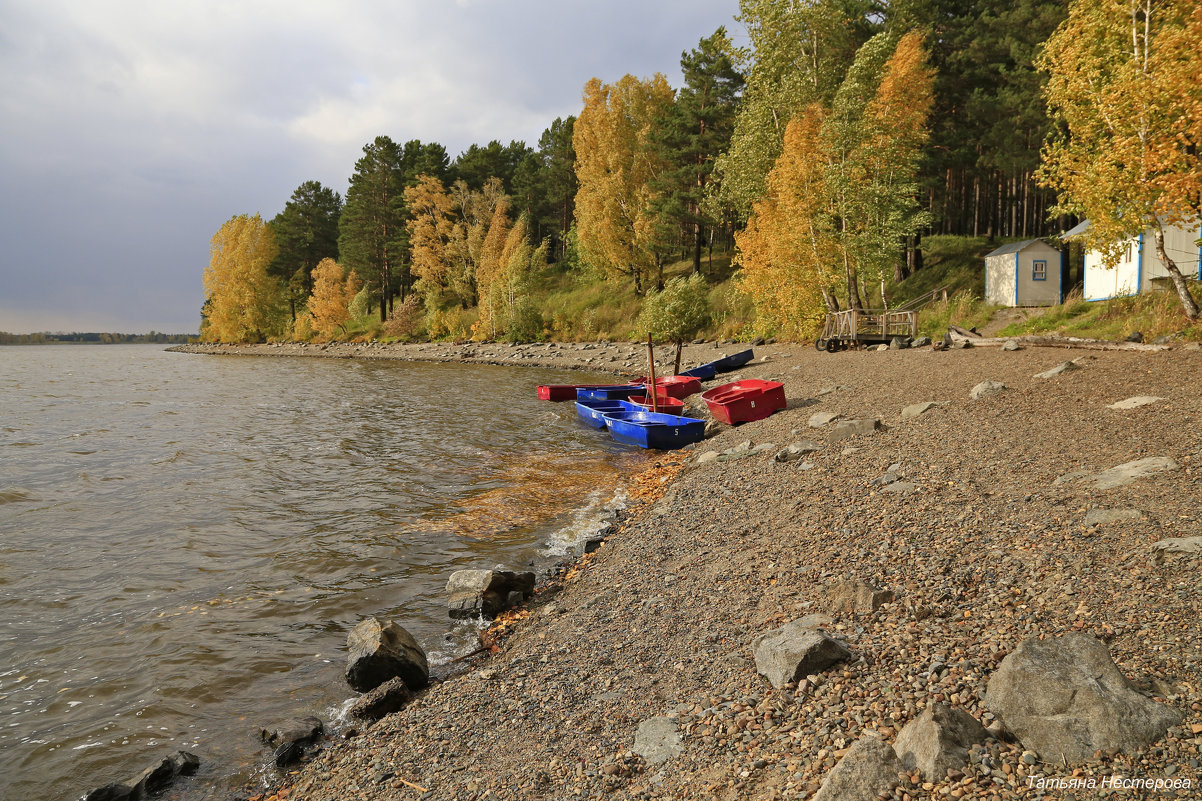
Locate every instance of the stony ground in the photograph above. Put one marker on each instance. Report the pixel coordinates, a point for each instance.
(984, 540)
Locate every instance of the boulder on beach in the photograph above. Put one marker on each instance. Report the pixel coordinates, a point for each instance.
(794, 651)
(379, 651)
(1065, 699)
(938, 740)
(868, 769)
(487, 593)
(851, 597)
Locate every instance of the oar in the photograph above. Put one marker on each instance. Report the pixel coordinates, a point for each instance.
(651, 393)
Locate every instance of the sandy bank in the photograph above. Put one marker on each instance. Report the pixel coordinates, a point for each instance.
(996, 533)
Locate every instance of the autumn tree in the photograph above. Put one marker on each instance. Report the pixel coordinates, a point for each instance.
(788, 247)
(615, 164)
(798, 55)
(1126, 90)
(841, 196)
(242, 302)
(490, 272)
(678, 311)
(306, 232)
(333, 291)
(430, 226)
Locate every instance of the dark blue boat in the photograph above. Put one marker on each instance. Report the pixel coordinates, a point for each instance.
(593, 412)
(733, 361)
(615, 392)
(657, 431)
(703, 372)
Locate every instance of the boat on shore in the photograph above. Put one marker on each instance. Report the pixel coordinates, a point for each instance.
(674, 386)
(663, 403)
(592, 412)
(733, 361)
(745, 401)
(609, 392)
(654, 431)
(561, 392)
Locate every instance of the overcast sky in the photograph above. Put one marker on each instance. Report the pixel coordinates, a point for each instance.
(130, 131)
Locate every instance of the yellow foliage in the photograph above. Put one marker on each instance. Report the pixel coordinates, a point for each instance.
(242, 301)
(489, 270)
(615, 162)
(786, 247)
(329, 305)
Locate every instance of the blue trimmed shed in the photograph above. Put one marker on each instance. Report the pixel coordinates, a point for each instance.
(1023, 274)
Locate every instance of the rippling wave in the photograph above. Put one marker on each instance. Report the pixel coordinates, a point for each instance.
(184, 541)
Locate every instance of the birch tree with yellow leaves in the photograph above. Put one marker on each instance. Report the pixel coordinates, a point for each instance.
(1126, 91)
(333, 291)
(616, 161)
(842, 195)
(242, 302)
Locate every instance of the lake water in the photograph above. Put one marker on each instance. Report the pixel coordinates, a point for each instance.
(185, 540)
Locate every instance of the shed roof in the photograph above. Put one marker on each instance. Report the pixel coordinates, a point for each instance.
(1076, 230)
(1013, 247)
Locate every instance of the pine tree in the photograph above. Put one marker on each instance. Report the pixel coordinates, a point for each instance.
(693, 133)
(371, 231)
(306, 232)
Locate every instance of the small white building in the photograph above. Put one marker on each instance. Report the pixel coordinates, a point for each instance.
(1140, 269)
(1023, 274)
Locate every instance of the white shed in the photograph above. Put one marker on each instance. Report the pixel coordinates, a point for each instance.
(1140, 268)
(1023, 274)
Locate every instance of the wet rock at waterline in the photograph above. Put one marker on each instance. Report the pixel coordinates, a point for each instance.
(487, 593)
(1064, 698)
(379, 651)
(151, 781)
(292, 738)
(389, 697)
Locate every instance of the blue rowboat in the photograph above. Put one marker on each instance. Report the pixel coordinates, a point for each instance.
(657, 431)
(733, 361)
(704, 372)
(593, 412)
(615, 392)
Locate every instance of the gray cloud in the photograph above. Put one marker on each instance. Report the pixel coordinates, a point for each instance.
(130, 131)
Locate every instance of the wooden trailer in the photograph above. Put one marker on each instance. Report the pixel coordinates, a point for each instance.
(855, 327)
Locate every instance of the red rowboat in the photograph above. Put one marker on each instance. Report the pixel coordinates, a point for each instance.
(666, 404)
(562, 392)
(745, 401)
(674, 386)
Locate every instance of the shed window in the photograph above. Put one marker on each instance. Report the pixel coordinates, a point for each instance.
(1039, 270)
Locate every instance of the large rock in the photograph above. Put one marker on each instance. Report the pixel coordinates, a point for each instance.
(795, 650)
(795, 451)
(819, 419)
(1132, 471)
(917, 409)
(938, 740)
(389, 697)
(868, 769)
(291, 739)
(487, 593)
(149, 782)
(1064, 698)
(381, 651)
(1097, 517)
(1185, 545)
(853, 428)
(847, 597)
(985, 389)
(657, 740)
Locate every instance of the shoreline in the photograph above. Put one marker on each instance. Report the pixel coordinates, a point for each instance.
(989, 531)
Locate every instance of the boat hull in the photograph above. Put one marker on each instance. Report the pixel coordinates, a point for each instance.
(745, 401)
(592, 412)
(665, 404)
(702, 372)
(733, 361)
(610, 392)
(654, 431)
(561, 392)
(674, 386)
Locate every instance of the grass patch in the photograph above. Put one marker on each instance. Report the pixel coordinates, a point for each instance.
(1154, 314)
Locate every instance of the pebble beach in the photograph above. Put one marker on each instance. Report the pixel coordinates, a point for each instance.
(983, 522)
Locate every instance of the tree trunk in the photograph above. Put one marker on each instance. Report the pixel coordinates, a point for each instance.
(1188, 305)
(679, 348)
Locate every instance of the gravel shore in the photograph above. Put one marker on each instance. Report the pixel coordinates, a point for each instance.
(981, 516)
